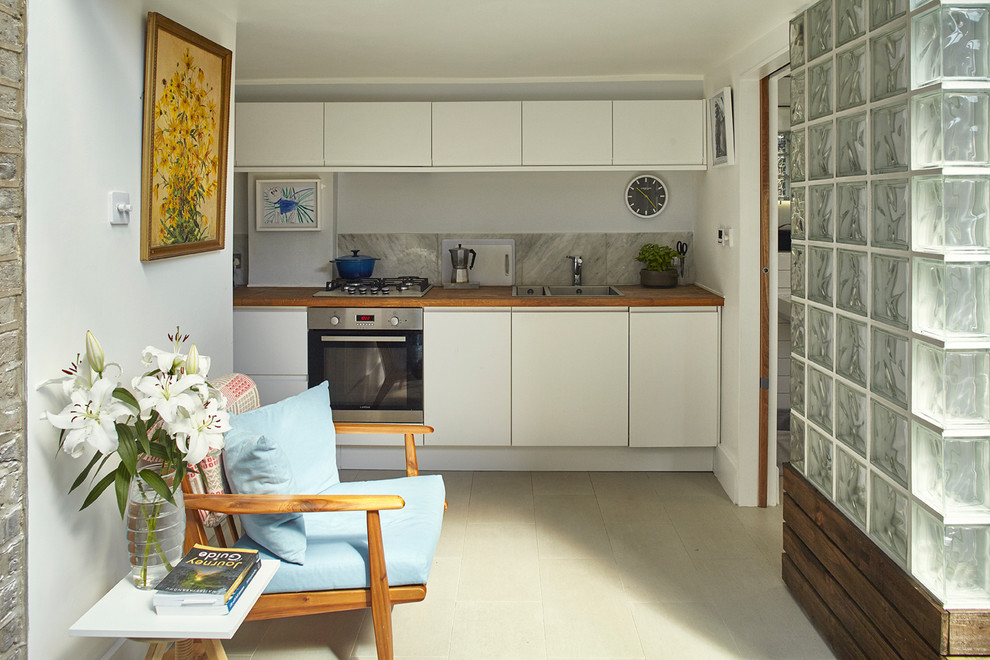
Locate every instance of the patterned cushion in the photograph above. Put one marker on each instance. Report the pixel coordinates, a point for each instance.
(241, 395)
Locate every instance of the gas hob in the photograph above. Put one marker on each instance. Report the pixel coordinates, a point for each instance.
(377, 287)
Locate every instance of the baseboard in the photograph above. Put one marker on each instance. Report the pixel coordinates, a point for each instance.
(727, 473)
(620, 459)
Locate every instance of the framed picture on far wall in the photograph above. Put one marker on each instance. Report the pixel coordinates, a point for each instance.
(290, 204)
(184, 147)
(720, 138)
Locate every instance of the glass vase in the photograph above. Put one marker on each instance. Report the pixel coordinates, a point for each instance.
(155, 529)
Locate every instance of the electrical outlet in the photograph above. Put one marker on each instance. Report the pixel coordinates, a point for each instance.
(723, 237)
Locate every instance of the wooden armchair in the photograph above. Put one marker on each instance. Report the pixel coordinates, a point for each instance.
(378, 594)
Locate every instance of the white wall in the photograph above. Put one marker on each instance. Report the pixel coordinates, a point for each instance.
(503, 202)
(730, 197)
(85, 82)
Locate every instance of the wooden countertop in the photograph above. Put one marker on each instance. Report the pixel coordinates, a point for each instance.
(489, 296)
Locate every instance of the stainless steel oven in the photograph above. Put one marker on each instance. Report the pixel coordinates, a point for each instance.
(372, 359)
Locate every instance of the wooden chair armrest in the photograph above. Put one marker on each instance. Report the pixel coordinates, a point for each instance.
(247, 504)
(407, 430)
(369, 427)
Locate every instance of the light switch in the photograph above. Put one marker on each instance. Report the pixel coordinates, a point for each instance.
(120, 208)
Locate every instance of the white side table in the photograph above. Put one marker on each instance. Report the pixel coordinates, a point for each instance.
(127, 611)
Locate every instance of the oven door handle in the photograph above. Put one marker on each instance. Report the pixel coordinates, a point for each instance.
(365, 338)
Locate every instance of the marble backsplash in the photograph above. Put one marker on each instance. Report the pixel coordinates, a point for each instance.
(609, 258)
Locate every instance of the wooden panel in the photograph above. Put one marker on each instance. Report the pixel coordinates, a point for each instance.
(883, 614)
(823, 619)
(890, 580)
(969, 632)
(861, 610)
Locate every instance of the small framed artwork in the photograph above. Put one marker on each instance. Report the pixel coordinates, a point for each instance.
(184, 146)
(721, 139)
(290, 204)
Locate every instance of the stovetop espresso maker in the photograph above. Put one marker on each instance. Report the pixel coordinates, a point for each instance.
(459, 277)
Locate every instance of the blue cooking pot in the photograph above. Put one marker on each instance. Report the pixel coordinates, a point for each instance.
(354, 266)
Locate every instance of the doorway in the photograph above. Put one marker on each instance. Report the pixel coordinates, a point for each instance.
(775, 219)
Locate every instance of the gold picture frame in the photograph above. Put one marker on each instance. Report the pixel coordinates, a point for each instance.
(184, 147)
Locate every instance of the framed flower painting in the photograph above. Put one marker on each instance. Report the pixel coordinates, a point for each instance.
(184, 148)
(287, 204)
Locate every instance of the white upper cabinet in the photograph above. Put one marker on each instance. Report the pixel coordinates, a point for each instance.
(377, 134)
(289, 134)
(658, 132)
(482, 133)
(567, 132)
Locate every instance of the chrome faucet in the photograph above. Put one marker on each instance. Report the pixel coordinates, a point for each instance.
(576, 263)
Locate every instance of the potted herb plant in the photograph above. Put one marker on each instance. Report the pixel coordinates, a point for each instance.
(659, 261)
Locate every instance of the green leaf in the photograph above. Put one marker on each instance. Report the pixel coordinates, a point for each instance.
(127, 449)
(122, 484)
(159, 451)
(85, 472)
(98, 489)
(155, 480)
(123, 395)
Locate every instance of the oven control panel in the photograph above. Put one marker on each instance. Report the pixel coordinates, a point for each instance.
(365, 318)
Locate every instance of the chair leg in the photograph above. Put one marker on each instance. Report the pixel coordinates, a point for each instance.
(381, 604)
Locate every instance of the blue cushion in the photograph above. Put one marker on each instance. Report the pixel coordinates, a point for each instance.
(255, 465)
(337, 542)
(302, 426)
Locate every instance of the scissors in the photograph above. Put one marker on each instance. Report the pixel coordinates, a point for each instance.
(682, 248)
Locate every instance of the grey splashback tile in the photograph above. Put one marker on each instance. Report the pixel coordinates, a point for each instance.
(609, 258)
(400, 254)
(542, 258)
(622, 267)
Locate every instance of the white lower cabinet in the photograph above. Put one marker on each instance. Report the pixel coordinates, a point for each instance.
(466, 375)
(674, 376)
(570, 377)
(270, 347)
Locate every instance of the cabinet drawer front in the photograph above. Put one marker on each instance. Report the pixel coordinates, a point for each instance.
(270, 341)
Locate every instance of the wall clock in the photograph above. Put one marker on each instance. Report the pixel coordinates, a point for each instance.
(646, 196)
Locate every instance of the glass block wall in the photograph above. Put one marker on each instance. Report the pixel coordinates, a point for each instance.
(890, 276)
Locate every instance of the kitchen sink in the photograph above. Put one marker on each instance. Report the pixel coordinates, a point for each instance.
(591, 291)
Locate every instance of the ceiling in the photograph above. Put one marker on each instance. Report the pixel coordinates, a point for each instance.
(366, 41)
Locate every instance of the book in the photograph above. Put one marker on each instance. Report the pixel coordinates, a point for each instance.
(205, 576)
(195, 609)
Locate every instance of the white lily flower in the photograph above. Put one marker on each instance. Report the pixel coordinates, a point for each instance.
(90, 417)
(164, 360)
(94, 353)
(200, 431)
(168, 394)
(196, 363)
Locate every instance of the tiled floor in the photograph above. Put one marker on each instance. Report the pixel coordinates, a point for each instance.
(578, 565)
